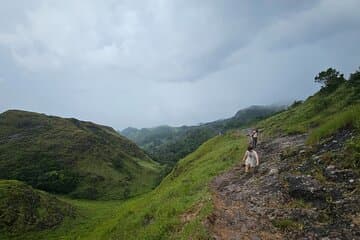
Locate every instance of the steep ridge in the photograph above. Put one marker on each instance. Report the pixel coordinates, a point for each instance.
(68, 156)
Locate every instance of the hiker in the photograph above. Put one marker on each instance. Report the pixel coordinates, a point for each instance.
(254, 137)
(251, 158)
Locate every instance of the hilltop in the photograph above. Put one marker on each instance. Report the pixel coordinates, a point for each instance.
(68, 156)
(168, 144)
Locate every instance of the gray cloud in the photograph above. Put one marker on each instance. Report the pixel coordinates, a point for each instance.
(168, 62)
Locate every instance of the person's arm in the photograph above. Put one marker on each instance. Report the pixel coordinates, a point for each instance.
(245, 155)
(257, 159)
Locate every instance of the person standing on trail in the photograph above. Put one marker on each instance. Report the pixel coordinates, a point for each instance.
(254, 137)
(251, 158)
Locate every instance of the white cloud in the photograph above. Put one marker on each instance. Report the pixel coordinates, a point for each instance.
(145, 63)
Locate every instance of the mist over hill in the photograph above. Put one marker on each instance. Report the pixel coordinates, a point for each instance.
(169, 144)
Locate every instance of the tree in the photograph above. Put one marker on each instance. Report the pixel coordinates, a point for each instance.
(330, 79)
(354, 78)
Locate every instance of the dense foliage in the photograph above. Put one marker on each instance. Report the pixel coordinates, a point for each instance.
(330, 79)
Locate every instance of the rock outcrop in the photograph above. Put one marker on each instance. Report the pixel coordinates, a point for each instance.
(294, 194)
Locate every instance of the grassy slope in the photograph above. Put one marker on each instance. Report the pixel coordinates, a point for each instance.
(313, 113)
(321, 116)
(71, 156)
(157, 214)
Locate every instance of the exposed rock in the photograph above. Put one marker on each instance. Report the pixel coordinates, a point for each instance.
(341, 175)
(305, 187)
(274, 171)
(292, 196)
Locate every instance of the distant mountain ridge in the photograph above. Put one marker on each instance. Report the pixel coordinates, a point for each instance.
(68, 156)
(169, 144)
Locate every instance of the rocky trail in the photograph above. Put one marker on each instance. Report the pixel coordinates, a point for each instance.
(294, 194)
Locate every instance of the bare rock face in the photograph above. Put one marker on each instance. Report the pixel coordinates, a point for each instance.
(339, 175)
(305, 187)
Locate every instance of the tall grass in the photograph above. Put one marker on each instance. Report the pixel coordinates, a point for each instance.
(349, 117)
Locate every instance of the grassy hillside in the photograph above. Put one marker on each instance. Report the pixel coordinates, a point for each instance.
(174, 209)
(23, 209)
(322, 115)
(169, 144)
(68, 156)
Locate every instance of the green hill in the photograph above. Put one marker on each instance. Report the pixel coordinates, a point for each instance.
(174, 210)
(168, 144)
(23, 209)
(68, 156)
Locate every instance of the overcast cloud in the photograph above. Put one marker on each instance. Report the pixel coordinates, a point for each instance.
(146, 63)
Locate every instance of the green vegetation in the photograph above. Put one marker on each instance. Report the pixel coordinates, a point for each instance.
(329, 110)
(336, 106)
(83, 159)
(350, 117)
(330, 79)
(175, 209)
(68, 156)
(93, 219)
(23, 209)
(287, 224)
(167, 144)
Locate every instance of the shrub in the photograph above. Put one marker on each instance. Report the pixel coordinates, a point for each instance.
(330, 79)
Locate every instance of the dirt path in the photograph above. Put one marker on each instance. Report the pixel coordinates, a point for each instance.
(298, 192)
(245, 204)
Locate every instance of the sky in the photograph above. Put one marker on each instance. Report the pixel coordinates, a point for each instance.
(155, 62)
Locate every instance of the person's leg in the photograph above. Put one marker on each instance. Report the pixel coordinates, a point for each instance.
(255, 142)
(246, 168)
